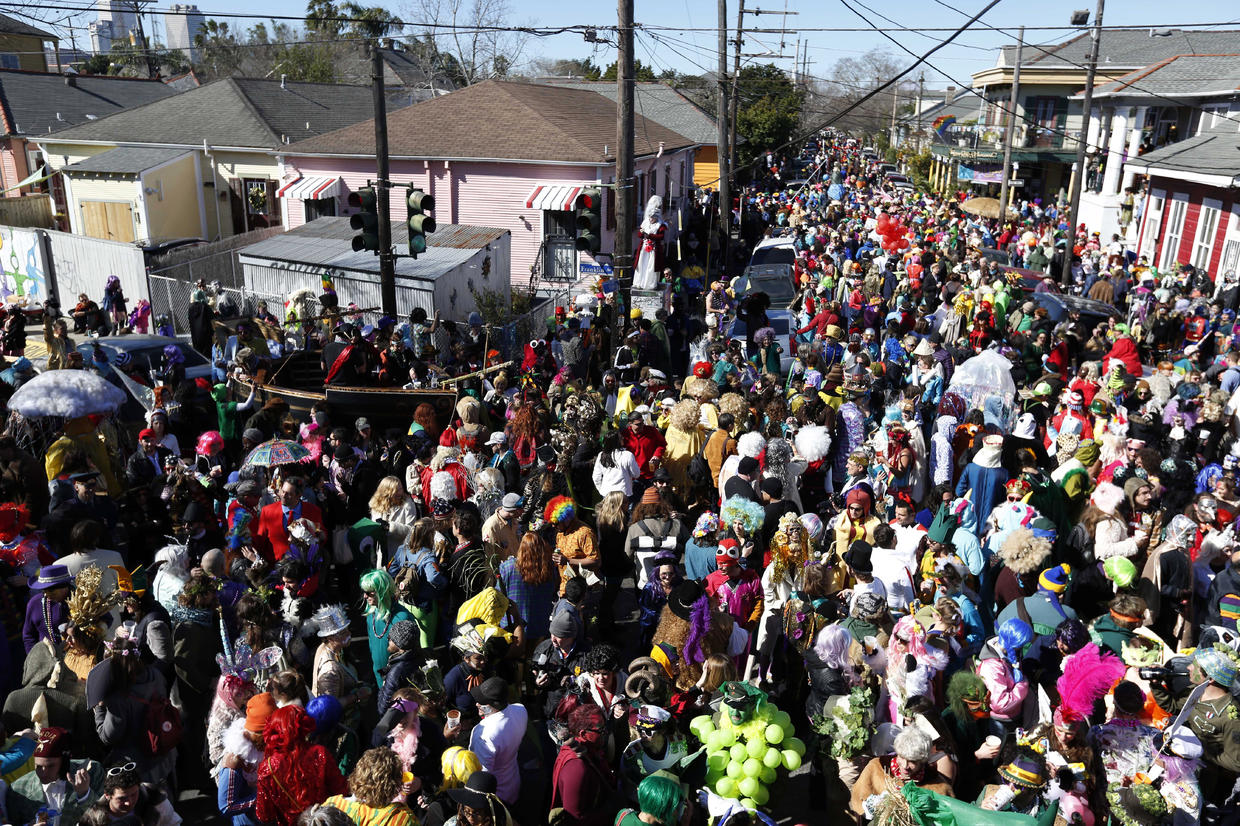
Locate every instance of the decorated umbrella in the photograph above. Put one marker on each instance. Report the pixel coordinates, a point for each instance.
(985, 207)
(67, 393)
(277, 452)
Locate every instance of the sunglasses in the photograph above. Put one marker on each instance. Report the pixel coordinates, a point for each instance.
(117, 770)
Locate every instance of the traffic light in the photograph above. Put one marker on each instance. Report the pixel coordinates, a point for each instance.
(589, 220)
(419, 223)
(367, 220)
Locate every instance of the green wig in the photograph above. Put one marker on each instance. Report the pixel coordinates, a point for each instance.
(381, 584)
(661, 796)
(964, 684)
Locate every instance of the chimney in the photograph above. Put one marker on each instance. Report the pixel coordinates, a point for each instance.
(949, 94)
(283, 81)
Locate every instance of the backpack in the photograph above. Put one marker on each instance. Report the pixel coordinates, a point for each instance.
(699, 469)
(162, 723)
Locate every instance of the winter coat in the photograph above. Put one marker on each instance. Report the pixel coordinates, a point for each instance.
(1007, 695)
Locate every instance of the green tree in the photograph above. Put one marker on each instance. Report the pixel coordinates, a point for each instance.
(768, 110)
(584, 68)
(322, 18)
(96, 64)
(640, 71)
(220, 51)
(370, 22)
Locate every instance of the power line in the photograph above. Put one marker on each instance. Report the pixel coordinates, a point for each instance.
(1133, 86)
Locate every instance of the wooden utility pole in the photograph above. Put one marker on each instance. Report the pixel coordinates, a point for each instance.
(921, 90)
(387, 258)
(1009, 133)
(622, 258)
(1074, 208)
(736, 79)
(721, 141)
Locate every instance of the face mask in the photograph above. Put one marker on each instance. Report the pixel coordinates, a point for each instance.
(485, 711)
(591, 738)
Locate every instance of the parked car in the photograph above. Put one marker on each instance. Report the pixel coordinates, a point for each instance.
(770, 271)
(783, 323)
(146, 352)
(1059, 305)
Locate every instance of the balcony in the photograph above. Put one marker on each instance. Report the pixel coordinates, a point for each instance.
(1027, 138)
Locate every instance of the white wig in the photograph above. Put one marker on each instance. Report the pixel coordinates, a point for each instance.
(813, 442)
(443, 486)
(751, 444)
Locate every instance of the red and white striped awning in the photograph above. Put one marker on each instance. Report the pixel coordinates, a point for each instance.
(553, 196)
(311, 187)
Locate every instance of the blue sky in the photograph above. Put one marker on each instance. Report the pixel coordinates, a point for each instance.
(690, 51)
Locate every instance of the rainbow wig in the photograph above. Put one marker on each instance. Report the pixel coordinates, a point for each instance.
(560, 510)
(750, 513)
(380, 583)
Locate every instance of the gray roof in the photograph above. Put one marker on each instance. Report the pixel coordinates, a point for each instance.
(1196, 75)
(241, 112)
(655, 101)
(9, 25)
(183, 82)
(126, 160)
(36, 103)
(1216, 151)
(326, 242)
(1125, 48)
(964, 106)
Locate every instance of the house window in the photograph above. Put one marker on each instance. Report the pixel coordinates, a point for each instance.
(10, 61)
(1230, 259)
(1153, 223)
(560, 245)
(319, 208)
(262, 207)
(1207, 228)
(1175, 231)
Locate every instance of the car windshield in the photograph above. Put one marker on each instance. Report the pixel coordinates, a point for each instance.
(148, 357)
(780, 324)
(773, 255)
(779, 288)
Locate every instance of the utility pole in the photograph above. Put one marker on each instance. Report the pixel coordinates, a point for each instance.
(387, 258)
(622, 258)
(921, 88)
(736, 79)
(1009, 133)
(147, 55)
(1074, 202)
(895, 104)
(721, 140)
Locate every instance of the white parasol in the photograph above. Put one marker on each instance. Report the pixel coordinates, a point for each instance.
(67, 393)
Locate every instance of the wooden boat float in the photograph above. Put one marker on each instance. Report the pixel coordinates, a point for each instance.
(298, 379)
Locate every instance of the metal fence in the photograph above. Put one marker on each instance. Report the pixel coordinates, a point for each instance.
(513, 336)
(171, 297)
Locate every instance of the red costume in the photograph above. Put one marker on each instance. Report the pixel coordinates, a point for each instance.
(271, 538)
(293, 775)
(642, 440)
(1124, 350)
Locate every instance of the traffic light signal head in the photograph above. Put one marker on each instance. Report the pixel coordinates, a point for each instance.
(366, 220)
(420, 223)
(589, 209)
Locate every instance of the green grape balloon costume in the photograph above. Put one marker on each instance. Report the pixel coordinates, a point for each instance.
(747, 741)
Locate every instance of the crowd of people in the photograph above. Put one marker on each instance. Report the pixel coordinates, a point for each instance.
(560, 601)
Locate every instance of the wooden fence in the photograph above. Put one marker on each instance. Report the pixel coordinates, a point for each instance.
(33, 211)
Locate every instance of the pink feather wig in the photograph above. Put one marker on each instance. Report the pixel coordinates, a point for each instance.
(1088, 675)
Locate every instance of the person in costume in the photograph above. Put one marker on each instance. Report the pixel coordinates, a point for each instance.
(883, 777)
(657, 746)
(650, 235)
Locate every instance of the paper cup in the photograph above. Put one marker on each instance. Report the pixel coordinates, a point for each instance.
(993, 740)
(454, 719)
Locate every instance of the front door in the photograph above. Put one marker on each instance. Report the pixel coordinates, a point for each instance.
(109, 220)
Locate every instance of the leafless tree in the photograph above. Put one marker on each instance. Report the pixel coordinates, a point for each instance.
(477, 39)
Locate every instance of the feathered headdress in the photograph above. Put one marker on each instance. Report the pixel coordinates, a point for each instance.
(1087, 677)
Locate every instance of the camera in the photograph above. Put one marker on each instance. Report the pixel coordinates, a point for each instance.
(1156, 675)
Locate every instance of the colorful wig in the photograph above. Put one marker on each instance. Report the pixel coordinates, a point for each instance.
(560, 510)
(750, 513)
(209, 443)
(380, 583)
(458, 764)
(661, 797)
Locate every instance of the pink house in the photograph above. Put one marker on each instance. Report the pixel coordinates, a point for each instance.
(500, 154)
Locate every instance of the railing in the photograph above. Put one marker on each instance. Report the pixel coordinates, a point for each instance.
(1026, 137)
(171, 297)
